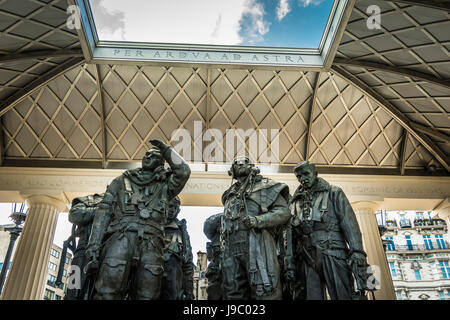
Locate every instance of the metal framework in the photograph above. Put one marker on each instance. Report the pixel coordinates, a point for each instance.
(407, 45)
(38, 83)
(435, 4)
(398, 116)
(41, 54)
(311, 118)
(394, 69)
(2, 148)
(102, 116)
(403, 152)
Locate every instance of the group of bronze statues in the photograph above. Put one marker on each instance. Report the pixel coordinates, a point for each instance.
(265, 245)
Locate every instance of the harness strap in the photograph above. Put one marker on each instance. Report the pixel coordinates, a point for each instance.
(127, 184)
(325, 201)
(322, 203)
(261, 266)
(315, 210)
(264, 200)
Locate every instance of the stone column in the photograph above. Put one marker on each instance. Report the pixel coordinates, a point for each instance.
(365, 213)
(26, 279)
(443, 210)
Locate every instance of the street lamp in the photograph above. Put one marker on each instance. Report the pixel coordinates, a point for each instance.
(18, 216)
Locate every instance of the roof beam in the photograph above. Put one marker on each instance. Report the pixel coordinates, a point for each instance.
(102, 115)
(397, 115)
(339, 34)
(431, 132)
(53, 163)
(435, 4)
(310, 121)
(41, 54)
(394, 69)
(403, 152)
(2, 145)
(123, 165)
(35, 85)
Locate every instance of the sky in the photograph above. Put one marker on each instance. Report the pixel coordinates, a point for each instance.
(278, 23)
(195, 217)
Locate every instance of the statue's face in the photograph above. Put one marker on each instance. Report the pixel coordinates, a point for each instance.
(174, 209)
(307, 176)
(151, 160)
(241, 168)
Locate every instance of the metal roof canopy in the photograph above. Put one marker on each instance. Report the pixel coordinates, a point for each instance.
(383, 107)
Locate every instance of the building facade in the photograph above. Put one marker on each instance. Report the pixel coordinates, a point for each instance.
(54, 291)
(418, 253)
(200, 281)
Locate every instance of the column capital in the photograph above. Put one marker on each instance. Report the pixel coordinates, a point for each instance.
(443, 209)
(360, 205)
(54, 200)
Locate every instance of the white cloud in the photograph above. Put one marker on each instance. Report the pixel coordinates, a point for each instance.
(252, 25)
(283, 9)
(175, 21)
(306, 3)
(109, 23)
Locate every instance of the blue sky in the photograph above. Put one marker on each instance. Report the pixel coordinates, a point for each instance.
(278, 23)
(302, 26)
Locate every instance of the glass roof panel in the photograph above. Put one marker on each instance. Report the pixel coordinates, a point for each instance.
(255, 23)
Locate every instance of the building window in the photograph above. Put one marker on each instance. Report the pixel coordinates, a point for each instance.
(57, 297)
(404, 222)
(417, 275)
(399, 295)
(441, 295)
(428, 243)
(49, 294)
(440, 241)
(445, 269)
(52, 266)
(390, 244)
(393, 271)
(409, 242)
(54, 253)
(51, 278)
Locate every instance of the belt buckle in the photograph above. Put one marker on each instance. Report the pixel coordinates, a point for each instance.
(144, 213)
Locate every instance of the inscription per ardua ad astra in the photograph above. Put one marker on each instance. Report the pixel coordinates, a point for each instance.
(206, 56)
